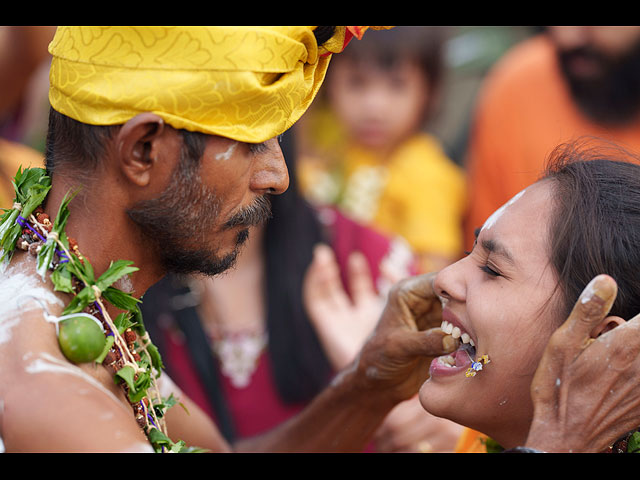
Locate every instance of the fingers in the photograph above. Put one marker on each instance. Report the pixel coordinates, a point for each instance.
(360, 280)
(591, 308)
(623, 346)
(567, 343)
(416, 298)
(322, 280)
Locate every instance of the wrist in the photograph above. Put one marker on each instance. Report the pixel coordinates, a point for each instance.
(359, 384)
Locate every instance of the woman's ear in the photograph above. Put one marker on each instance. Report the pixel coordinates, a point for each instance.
(607, 324)
(136, 147)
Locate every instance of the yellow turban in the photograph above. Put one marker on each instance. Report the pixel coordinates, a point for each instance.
(245, 83)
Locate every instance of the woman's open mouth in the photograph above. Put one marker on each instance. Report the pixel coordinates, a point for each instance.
(458, 361)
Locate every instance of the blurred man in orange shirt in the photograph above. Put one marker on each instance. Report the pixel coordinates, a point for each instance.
(563, 84)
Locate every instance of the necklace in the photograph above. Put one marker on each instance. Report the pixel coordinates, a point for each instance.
(238, 354)
(86, 332)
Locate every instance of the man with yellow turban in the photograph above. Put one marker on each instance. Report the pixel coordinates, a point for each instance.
(161, 151)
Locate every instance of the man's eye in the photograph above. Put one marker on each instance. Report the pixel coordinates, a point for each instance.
(489, 271)
(257, 148)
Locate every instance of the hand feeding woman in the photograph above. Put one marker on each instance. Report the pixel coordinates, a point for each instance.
(530, 262)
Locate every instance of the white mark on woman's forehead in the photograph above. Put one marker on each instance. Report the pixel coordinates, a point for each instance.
(226, 155)
(498, 213)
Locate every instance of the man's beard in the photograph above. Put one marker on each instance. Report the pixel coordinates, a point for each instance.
(613, 98)
(177, 224)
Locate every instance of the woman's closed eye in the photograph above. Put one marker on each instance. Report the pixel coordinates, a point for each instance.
(490, 271)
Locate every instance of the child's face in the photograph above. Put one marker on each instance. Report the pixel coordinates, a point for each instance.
(378, 108)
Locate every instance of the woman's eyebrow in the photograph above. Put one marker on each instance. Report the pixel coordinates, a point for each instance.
(497, 248)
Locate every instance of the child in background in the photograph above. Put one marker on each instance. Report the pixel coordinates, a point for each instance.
(370, 156)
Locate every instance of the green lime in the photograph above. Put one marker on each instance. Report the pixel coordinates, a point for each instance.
(81, 339)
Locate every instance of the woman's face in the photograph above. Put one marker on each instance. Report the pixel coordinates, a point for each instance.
(501, 297)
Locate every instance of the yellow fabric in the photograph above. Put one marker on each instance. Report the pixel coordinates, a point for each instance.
(471, 441)
(418, 193)
(245, 83)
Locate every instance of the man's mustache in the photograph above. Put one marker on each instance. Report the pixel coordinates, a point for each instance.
(255, 214)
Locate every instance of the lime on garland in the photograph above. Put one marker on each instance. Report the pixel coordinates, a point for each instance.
(81, 339)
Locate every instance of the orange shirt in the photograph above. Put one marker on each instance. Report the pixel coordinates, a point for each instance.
(524, 111)
(471, 441)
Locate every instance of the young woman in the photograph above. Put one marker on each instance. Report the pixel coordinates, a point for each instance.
(531, 260)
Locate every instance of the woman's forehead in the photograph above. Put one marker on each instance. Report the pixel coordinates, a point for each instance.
(521, 221)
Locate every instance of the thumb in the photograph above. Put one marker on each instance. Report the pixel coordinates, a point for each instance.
(591, 308)
(428, 343)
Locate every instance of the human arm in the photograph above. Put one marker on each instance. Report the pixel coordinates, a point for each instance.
(343, 323)
(389, 369)
(585, 392)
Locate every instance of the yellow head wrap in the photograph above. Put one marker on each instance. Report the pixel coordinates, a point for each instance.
(245, 83)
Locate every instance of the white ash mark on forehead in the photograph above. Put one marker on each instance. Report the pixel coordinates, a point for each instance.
(498, 213)
(226, 155)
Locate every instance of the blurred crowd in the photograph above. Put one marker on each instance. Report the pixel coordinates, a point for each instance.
(418, 135)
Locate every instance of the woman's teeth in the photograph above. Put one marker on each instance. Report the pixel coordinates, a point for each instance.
(455, 332)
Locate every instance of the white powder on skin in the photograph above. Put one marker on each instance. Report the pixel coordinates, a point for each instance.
(46, 363)
(226, 155)
(18, 292)
(498, 213)
(588, 292)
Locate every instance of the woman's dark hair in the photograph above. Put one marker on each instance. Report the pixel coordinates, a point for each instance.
(595, 226)
(300, 366)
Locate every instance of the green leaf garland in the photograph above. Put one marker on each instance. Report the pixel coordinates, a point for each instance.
(72, 273)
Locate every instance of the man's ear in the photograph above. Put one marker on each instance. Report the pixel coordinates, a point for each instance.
(607, 324)
(137, 147)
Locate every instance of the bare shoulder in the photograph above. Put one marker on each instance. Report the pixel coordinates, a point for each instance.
(47, 403)
(66, 412)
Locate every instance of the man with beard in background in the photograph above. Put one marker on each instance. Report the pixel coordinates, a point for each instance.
(565, 83)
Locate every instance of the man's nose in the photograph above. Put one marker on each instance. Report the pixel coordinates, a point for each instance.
(570, 37)
(271, 174)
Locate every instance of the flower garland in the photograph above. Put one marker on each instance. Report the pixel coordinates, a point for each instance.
(86, 332)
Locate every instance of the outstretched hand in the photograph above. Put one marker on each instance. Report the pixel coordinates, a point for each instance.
(586, 391)
(342, 321)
